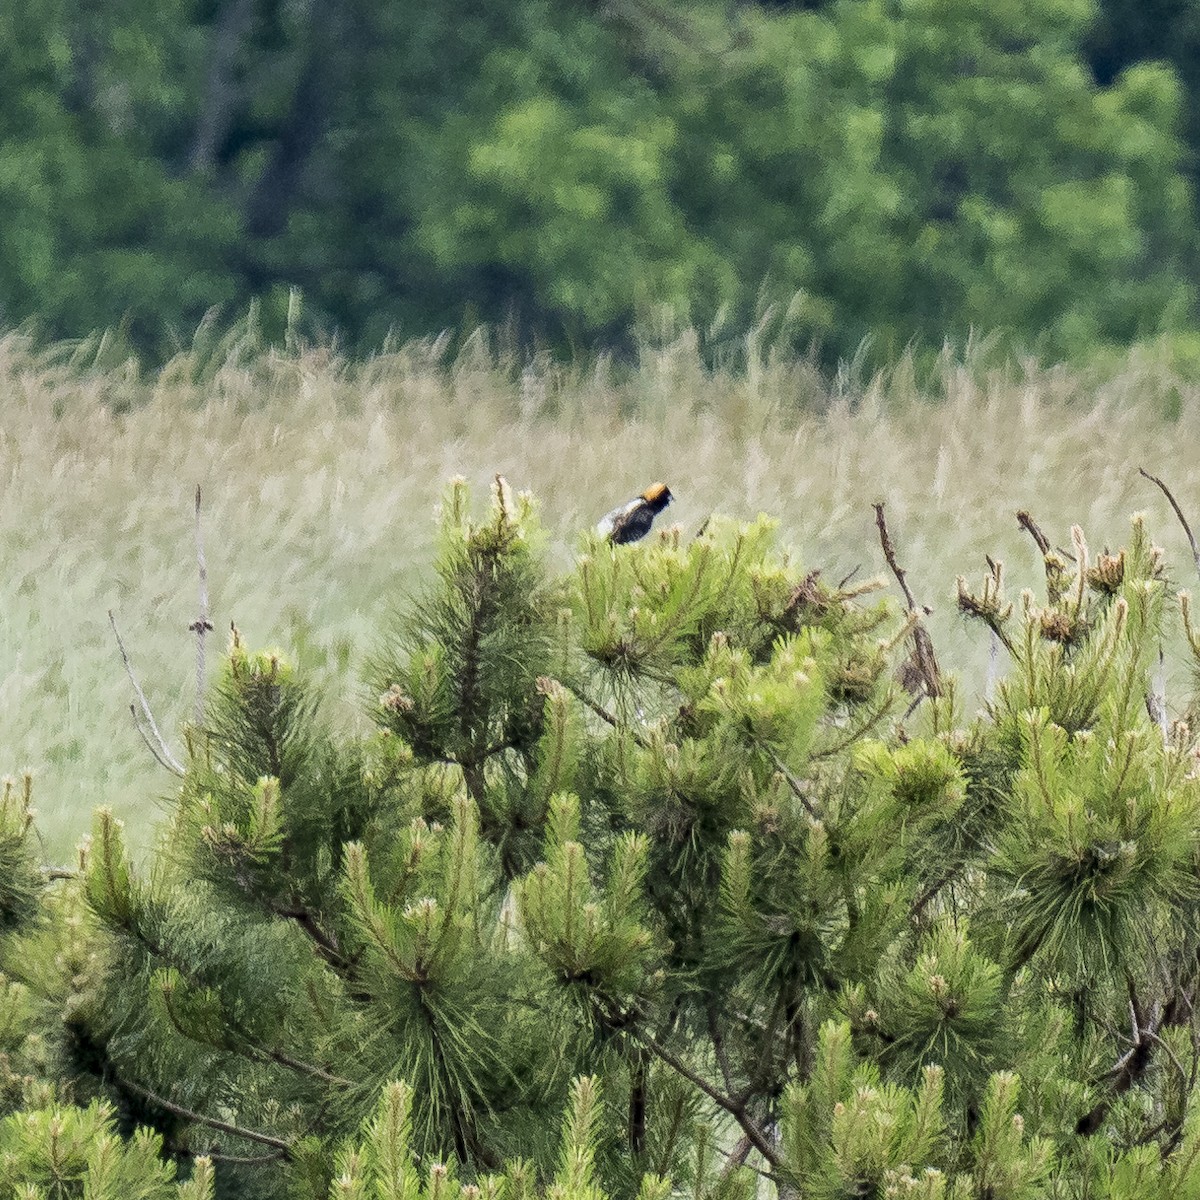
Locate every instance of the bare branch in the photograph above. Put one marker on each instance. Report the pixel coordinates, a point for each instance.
(924, 658)
(250, 1135)
(201, 625)
(1166, 491)
(163, 753)
(735, 1108)
(605, 715)
(137, 724)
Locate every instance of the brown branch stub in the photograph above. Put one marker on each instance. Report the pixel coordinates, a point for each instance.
(1031, 527)
(1187, 529)
(924, 661)
(163, 752)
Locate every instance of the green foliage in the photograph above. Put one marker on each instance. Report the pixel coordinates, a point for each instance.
(66, 1152)
(666, 828)
(835, 171)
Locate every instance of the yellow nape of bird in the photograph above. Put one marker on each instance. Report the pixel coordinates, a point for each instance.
(631, 522)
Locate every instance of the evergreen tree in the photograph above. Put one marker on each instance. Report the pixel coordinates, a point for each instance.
(667, 828)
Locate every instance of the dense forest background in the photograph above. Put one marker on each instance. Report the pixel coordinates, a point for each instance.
(898, 169)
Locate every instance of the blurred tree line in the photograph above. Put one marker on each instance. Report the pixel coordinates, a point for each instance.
(898, 168)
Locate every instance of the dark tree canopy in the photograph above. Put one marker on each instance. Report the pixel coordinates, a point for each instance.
(899, 170)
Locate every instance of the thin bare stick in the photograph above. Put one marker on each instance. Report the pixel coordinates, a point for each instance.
(251, 1135)
(137, 724)
(1166, 491)
(201, 625)
(926, 660)
(164, 754)
(1157, 701)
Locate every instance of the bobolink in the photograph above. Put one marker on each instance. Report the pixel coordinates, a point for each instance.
(632, 521)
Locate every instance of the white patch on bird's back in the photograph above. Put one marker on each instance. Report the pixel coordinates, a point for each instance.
(606, 523)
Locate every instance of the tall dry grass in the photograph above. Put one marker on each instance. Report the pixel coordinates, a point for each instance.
(321, 478)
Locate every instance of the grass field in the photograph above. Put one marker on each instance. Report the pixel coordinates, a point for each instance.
(321, 478)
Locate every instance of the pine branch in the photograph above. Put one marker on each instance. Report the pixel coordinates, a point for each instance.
(240, 1160)
(718, 1043)
(855, 733)
(1130, 1067)
(736, 1158)
(606, 716)
(931, 891)
(325, 943)
(244, 1041)
(637, 1101)
(735, 1108)
(466, 1141)
(298, 1065)
(250, 1135)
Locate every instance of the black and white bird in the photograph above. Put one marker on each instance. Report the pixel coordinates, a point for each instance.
(631, 522)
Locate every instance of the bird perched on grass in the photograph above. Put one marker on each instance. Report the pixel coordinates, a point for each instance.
(631, 522)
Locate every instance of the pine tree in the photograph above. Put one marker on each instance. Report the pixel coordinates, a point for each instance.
(667, 828)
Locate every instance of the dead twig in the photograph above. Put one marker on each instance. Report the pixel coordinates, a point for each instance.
(137, 724)
(924, 658)
(201, 625)
(1156, 702)
(158, 746)
(1166, 491)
